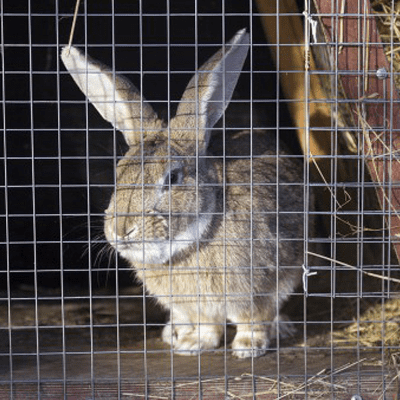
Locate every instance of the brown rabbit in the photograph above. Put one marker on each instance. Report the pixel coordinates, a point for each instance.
(215, 231)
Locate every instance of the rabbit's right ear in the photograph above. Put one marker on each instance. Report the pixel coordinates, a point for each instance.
(114, 96)
(210, 90)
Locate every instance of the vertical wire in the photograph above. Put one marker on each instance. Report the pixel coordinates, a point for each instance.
(307, 152)
(117, 303)
(392, 160)
(278, 49)
(335, 23)
(388, 121)
(360, 195)
(389, 211)
(116, 211)
(360, 216)
(115, 216)
(225, 266)
(87, 165)
(60, 202)
(6, 207)
(35, 243)
(334, 182)
(336, 36)
(391, 122)
(170, 191)
(360, 235)
(385, 192)
(386, 204)
(197, 66)
(170, 209)
(308, 128)
(363, 56)
(254, 387)
(142, 127)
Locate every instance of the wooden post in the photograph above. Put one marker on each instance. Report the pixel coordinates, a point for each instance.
(287, 33)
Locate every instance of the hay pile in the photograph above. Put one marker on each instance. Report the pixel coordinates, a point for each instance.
(378, 326)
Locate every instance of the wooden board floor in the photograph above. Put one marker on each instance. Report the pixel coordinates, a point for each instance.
(91, 365)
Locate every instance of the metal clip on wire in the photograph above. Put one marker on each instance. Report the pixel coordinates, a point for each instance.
(306, 273)
(313, 24)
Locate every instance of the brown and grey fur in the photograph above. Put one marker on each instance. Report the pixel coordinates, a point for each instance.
(214, 231)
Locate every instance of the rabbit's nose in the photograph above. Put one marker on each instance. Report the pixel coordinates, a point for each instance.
(147, 226)
(155, 227)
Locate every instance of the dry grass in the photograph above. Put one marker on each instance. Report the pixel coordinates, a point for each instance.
(378, 326)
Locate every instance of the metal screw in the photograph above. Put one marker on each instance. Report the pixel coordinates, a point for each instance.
(381, 73)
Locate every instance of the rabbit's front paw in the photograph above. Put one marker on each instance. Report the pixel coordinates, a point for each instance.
(192, 343)
(250, 344)
(189, 340)
(168, 334)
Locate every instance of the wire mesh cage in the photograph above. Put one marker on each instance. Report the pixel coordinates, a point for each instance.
(208, 211)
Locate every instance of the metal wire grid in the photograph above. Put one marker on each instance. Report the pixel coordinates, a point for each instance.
(48, 357)
(384, 260)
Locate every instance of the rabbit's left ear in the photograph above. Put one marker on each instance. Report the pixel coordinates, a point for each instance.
(210, 90)
(114, 96)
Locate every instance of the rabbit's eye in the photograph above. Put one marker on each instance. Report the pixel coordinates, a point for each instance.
(173, 178)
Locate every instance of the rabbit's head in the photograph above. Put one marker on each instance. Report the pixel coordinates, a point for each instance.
(166, 186)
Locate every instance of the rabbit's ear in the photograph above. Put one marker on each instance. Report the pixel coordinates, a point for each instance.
(210, 90)
(114, 96)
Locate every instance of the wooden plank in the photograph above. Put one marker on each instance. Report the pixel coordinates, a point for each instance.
(352, 34)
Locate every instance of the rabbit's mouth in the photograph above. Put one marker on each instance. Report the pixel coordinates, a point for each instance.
(158, 249)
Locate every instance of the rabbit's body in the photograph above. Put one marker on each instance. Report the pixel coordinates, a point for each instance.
(215, 232)
(213, 260)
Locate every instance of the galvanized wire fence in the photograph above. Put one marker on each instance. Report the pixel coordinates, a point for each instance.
(249, 247)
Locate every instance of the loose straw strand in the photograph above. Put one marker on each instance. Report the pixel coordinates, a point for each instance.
(71, 35)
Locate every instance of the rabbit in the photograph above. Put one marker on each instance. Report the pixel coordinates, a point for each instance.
(213, 227)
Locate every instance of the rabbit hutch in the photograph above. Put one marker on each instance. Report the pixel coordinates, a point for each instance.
(278, 121)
